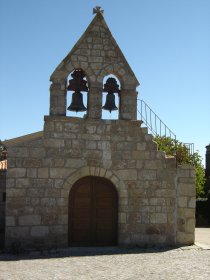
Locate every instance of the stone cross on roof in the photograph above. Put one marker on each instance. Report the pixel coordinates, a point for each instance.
(97, 10)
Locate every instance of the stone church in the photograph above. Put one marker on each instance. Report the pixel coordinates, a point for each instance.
(90, 181)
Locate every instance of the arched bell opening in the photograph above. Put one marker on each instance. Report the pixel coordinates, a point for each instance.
(111, 97)
(77, 93)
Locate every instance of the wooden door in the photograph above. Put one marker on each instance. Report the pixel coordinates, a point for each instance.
(93, 213)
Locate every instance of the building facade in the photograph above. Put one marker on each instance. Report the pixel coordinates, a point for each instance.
(91, 181)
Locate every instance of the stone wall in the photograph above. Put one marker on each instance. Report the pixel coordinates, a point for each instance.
(186, 205)
(149, 186)
(2, 206)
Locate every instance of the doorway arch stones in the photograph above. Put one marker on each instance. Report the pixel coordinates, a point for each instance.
(100, 172)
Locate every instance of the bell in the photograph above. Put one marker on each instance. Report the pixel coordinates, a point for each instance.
(110, 102)
(77, 103)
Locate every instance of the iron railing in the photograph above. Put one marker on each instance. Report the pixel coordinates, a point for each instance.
(156, 126)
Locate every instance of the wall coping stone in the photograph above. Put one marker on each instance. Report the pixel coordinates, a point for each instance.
(77, 119)
(24, 138)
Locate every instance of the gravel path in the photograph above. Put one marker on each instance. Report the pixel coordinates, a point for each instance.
(108, 263)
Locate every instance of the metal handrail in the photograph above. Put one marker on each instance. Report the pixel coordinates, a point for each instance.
(153, 122)
(156, 126)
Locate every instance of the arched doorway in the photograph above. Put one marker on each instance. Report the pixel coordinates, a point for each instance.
(93, 212)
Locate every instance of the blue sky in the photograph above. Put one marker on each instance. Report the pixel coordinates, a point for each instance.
(166, 42)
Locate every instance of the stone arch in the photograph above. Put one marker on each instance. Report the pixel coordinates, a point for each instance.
(94, 171)
(109, 70)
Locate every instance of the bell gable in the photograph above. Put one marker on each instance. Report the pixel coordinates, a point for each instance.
(98, 54)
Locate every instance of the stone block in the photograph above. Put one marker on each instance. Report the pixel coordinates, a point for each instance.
(50, 218)
(22, 183)
(125, 146)
(41, 183)
(186, 189)
(35, 201)
(127, 174)
(181, 227)
(139, 155)
(60, 173)
(141, 146)
(58, 127)
(145, 217)
(58, 162)
(29, 220)
(186, 213)
(147, 174)
(18, 152)
(14, 192)
(93, 154)
(95, 53)
(153, 164)
(39, 231)
(104, 145)
(90, 128)
(54, 143)
(52, 192)
(165, 193)
(62, 201)
(102, 172)
(182, 201)
(58, 183)
(43, 172)
(48, 202)
(16, 172)
(170, 162)
(87, 136)
(49, 126)
(122, 218)
(82, 58)
(90, 145)
(95, 59)
(185, 171)
(185, 238)
(31, 172)
(158, 218)
(192, 203)
(37, 152)
(10, 221)
(35, 192)
(171, 218)
(63, 219)
(106, 155)
(139, 164)
(187, 180)
(17, 232)
(69, 135)
(10, 183)
(57, 230)
(190, 225)
(157, 201)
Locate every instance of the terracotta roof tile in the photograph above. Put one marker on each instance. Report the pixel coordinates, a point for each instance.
(3, 165)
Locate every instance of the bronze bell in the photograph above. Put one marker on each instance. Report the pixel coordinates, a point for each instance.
(77, 103)
(77, 84)
(111, 87)
(110, 103)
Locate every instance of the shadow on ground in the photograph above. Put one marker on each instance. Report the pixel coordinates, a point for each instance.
(80, 252)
